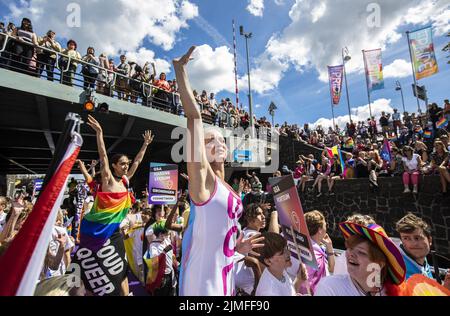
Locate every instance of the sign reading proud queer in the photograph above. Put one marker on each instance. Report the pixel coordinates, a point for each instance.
(163, 184)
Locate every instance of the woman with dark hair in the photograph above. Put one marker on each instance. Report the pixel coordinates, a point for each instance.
(69, 67)
(23, 49)
(412, 164)
(90, 73)
(100, 240)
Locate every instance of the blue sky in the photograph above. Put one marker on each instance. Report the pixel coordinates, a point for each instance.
(299, 93)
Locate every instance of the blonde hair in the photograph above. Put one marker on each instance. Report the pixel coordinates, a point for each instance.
(57, 286)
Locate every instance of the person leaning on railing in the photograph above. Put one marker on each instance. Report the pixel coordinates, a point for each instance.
(22, 48)
(68, 66)
(90, 73)
(47, 57)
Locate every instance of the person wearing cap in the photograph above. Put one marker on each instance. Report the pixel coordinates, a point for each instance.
(75, 57)
(375, 265)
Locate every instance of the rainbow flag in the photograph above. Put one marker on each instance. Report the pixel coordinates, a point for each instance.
(442, 123)
(427, 134)
(156, 268)
(419, 130)
(335, 151)
(330, 153)
(349, 143)
(341, 158)
(108, 211)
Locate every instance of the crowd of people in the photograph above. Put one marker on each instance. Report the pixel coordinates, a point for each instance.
(218, 239)
(407, 146)
(29, 53)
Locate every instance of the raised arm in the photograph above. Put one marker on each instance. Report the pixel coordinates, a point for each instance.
(84, 171)
(201, 176)
(104, 162)
(148, 139)
(170, 225)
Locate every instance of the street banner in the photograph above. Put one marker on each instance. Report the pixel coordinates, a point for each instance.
(336, 74)
(374, 69)
(163, 184)
(423, 55)
(292, 220)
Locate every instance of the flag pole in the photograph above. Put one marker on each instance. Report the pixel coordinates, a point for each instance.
(235, 65)
(414, 72)
(367, 83)
(332, 111)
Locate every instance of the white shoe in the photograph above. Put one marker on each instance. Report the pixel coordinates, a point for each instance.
(407, 190)
(415, 191)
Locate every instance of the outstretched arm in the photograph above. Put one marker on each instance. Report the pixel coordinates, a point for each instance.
(201, 176)
(148, 139)
(84, 171)
(170, 225)
(104, 162)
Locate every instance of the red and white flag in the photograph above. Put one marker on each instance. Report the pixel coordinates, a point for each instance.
(22, 262)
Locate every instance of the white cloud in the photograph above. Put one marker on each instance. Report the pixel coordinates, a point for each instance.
(361, 113)
(212, 69)
(256, 7)
(400, 68)
(144, 55)
(258, 106)
(320, 29)
(111, 26)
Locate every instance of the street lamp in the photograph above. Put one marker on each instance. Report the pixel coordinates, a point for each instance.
(399, 88)
(250, 102)
(346, 58)
(272, 108)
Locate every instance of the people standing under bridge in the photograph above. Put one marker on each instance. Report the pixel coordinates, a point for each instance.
(101, 244)
(210, 241)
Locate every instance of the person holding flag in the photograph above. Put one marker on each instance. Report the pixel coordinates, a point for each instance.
(210, 241)
(101, 243)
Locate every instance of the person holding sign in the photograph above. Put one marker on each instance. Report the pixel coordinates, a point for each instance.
(210, 241)
(101, 244)
(275, 281)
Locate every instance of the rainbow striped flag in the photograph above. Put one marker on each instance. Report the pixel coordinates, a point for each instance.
(349, 143)
(442, 123)
(156, 268)
(427, 134)
(108, 211)
(419, 130)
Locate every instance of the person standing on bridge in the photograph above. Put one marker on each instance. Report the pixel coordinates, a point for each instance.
(210, 241)
(102, 251)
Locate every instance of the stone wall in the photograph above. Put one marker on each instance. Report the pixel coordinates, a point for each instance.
(387, 206)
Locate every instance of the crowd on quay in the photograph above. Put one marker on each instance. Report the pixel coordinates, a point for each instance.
(26, 52)
(221, 239)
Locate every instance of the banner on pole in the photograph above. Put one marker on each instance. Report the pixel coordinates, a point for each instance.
(374, 69)
(163, 184)
(336, 74)
(292, 220)
(423, 55)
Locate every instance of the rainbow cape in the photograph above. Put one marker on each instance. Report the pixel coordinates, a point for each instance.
(442, 123)
(108, 211)
(156, 268)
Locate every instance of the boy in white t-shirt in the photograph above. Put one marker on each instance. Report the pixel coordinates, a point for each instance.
(275, 280)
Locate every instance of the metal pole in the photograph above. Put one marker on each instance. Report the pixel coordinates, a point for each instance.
(414, 72)
(346, 88)
(250, 104)
(332, 111)
(403, 100)
(367, 84)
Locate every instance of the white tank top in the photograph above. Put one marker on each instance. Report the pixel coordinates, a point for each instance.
(207, 265)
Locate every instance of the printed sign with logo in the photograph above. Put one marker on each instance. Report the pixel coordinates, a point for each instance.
(242, 155)
(292, 220)
(163, 184)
